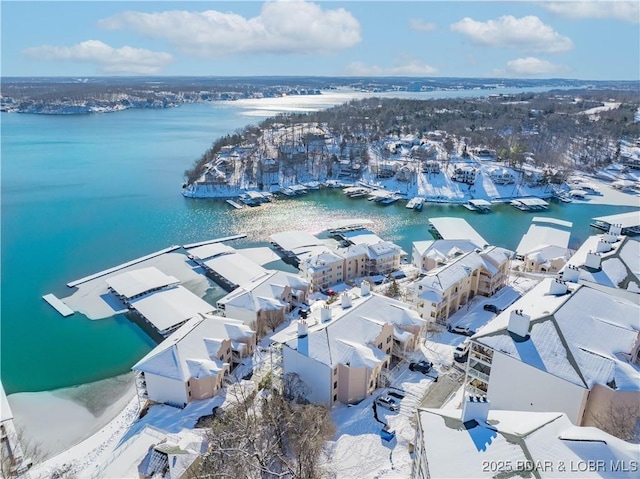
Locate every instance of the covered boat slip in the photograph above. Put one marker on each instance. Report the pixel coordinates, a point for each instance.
(479, 205)
(628, 222)
(167, 309)
(530, 204)
(449, 228)
(134, 283)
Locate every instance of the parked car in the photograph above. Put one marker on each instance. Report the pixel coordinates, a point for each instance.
(492, 308)
(461, 353)
(387, 402)
(461, 330)
(423, 367)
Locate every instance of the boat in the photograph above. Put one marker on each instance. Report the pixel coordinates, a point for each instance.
(419, 205)
(415, 203)
(388, 200)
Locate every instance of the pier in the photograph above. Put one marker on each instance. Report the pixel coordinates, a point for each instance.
(217, 240)
(237, 206)
(628, 222)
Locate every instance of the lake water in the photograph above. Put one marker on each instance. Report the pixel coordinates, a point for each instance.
(84, 193)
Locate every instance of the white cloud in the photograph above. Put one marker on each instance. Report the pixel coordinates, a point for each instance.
(409, 68)
(282, 27)
(106, 58)
(625, 11)
(527, 33)
(530, 66)
(421, 25)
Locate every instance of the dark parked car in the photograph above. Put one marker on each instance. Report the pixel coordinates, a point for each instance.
(423, 367)
(387, 402)
(461, 330)
(492, 307)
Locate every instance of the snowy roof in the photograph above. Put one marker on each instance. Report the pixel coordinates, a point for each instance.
(349, 335)
(235, 268)
(383, 248)
(365, 237)
(625, 220)
(297, 242)
(169, 307)
(480, 202)
(582, 337)
(545, 253)
(192, 350)
(532, 201)
(553, 221)
(619, 266)
(264, 292)
(457, 229)
(443, 277)
(539, 235)
(210, 250)
(349, 223)
(510, 438)
(138, 281)
(442, 248)
(320, 261)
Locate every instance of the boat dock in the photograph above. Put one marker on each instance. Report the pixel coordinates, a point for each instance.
(628, 222)
(481, 206)
(58, 305)
(530, 204)
(75, 283)
(237, 206)
(456, 229)
(416, 203)
(217, 240)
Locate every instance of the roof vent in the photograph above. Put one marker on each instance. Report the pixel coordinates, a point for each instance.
(603, 246)
(365, 288)
(346, 300)
(325, 314)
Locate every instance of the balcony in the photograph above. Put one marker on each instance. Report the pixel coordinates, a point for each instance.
(481, 358)
(474, 373)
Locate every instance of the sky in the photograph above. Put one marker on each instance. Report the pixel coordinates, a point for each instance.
(587, 40)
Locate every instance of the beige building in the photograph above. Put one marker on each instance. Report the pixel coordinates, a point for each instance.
(192, 362)
(341, 352)
(443, 290)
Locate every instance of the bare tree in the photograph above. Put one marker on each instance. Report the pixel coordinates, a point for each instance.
(17, 451)
(621, 420)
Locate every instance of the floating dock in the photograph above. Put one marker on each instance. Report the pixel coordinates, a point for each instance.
(217, 240)
(58, 305)
(628, 222)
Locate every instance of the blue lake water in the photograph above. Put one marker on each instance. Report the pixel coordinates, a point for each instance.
(84, 193)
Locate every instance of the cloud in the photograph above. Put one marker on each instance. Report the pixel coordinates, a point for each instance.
(421, 25)
(106, 58)
(530, 66)
(410, 68)
(527, 33)
(618, 10)
(294, 27)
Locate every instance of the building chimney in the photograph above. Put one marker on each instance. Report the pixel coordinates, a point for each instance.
(557, 287)
(519, 323)
(365, 288)
(325, 314)
(615, 230)
(346, 300)
(476, 408)
(593, 260)
(571, 273)
(603, 246)
(303, 337)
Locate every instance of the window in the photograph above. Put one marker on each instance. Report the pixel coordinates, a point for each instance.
(335, 384)
(335, 397)
(335, 370)
(380, 346)
(388, 339)
(388, 350)
(228, 350)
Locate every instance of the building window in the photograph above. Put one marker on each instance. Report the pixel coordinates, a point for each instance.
(388, 350)
(335, 397)
(388, 339)
(335, 370)
(380, 346)
(335, 384)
